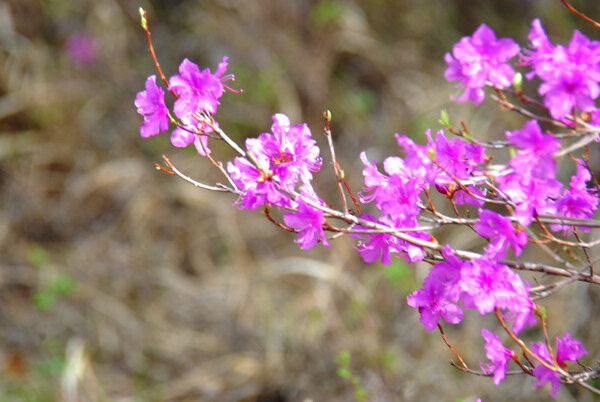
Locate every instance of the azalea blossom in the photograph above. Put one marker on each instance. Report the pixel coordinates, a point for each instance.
(281, 160)
(570, 74)
(307, 219)
(150, 103)
(480, 58)
(433, 305)
(498, 354)
(501, 233)
(567, 349)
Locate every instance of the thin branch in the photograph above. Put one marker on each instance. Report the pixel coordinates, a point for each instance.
(334, 161)
(173, 170)
(151, 49)
(450, 347)
(580, 14)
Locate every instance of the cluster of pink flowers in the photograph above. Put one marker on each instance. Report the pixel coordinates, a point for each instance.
(197, 92)
(277, 170)
(570, 75)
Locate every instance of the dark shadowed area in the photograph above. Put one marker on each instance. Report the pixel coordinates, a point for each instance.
(119, 282)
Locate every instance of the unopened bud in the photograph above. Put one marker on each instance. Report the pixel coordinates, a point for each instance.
(143, 20)
(541, 312)
(518, 81)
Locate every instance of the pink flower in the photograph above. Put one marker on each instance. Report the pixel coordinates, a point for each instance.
(501, 233)
(536, 150)
(291, 151)
(373, 246)
(284, 157)
(567, 349)
(432, 303)
(198, 91)
(569, 75)
(448, 273)
(498, 354)
(181, 138)
(151, 104)
(307, 219)
(486, 285)
(480, 58)
(577, 202)
(81, 48)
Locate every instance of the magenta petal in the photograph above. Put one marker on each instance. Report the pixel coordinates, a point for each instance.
(181, 138)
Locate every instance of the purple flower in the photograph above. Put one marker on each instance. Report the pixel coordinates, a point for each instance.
(542, 373)
(498, 354)
(475, 196)
(518, 302)
(448, 273)
(257, 185)
(82, 49)
(373, 246)
(307, 219)
(571, 89)
(536, 150)
(459, 158)
(417, 156)
(182, 137)
(578, 201)
(151, 104)
(292, 153)
(567, 349)
(197, 91)
(540, 51)
(486, 285)
(501, 233)
(396, 193)
(569, 75)
(433, 304)
(284, 157)
(478, 59)
(531, 193)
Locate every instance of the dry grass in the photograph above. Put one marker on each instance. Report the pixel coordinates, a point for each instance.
(120, 283)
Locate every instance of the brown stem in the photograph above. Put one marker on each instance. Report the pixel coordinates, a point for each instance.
(580, 14)
(156, 63)
(451, 348)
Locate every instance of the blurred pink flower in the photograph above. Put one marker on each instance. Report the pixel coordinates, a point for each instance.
(81, 49)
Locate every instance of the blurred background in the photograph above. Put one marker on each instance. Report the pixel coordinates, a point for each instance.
(121, 283)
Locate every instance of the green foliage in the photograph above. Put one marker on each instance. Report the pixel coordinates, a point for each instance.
(445, 120)
(37, 256)
(51, 367)
(60, 286)
(63, 285)
(398, 275)
(388, 361)
(43, 299)
(325, 12)
(363, 101)
(343, 361)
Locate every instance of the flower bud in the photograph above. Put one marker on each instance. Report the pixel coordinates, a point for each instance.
(143, 20)
(517, 81)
